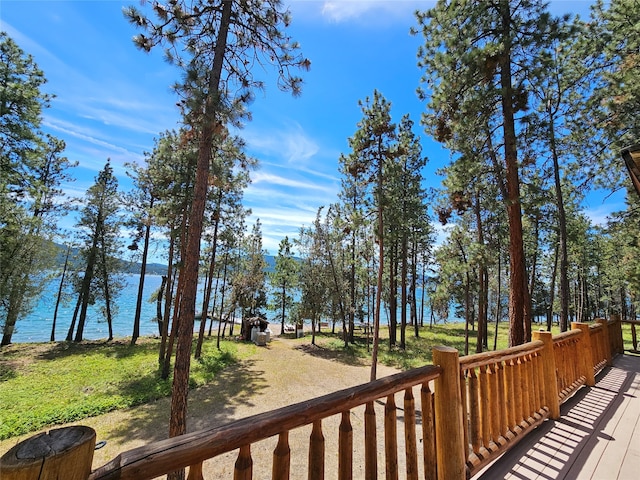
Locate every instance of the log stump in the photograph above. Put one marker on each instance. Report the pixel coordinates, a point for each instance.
(62, 453)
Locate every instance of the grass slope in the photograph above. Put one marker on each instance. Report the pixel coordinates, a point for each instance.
(54, 383)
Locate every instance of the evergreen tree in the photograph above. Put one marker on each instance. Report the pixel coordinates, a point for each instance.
(216, 43)
(284, 279)
(230, 171)
(478, 57)
(140, 202)
(249, 283)
(374, 147)
(32, 169)
(100, 222)
(314, 278)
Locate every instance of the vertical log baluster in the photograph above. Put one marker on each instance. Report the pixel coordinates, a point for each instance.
(281, 467)
(345, 448)
(539, 389)
(195, 472)
(474, 409)
(548, 373)
(517, 380)
(244, 464)
(511, 397)
(411, 448)
(316, 452)
(465, 409)
(572, 372)
(532, 388)
(370, 443)
(503, 401)
(494, 406)
(428, 433)
(485, 407)
(390, 439)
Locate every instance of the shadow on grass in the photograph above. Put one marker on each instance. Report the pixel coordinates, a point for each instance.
(213, 405)
(417, 351)
(347, 355)
(120, 348)
(7, 372)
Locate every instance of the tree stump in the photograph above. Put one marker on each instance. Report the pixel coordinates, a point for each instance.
(62, 453)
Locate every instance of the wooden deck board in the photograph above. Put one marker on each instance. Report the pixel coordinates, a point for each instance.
(597, 437)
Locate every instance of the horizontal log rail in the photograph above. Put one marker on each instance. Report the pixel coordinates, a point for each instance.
(192, 449)
(467, 411)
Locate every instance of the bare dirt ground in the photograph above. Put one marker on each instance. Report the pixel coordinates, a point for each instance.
(282, 373)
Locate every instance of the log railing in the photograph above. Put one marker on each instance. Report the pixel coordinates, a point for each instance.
(456, 417)
(570, 375)
(503, 399)
(634, 336)
(192, 449)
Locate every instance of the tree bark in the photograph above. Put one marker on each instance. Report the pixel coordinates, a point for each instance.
(60, 287)
(143, 272)
(180, 389)
(519, 302)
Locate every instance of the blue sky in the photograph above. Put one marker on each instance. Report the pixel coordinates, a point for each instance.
(112, 100)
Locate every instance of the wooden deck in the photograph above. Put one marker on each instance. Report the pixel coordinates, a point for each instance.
(597, 438)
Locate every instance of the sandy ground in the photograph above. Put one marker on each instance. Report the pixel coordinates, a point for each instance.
(282, 373)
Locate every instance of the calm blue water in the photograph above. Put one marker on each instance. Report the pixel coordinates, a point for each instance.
(36, 327)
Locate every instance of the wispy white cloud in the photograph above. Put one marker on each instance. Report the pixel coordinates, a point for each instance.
(289, 142)
(84, 134)
(279, 223)
(280, 181)
(346, 10)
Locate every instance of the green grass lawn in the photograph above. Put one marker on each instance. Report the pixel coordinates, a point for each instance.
(53, 383)
(418, 351)
(47, 384)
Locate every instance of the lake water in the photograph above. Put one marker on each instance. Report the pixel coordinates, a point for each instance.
(36, 326)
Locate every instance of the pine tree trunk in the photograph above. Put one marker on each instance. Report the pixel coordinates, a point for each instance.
(167, 302)
(107, 290)
(562, 229)
(519, 310)
(403, 294)
(84, 290)
(482, 273)
(163, 285)
(210, 275)
(58, 297)
(143, 272)
(180, 389)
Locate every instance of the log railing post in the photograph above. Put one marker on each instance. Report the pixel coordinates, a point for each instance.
(585, 360)
(61, 453)
(549, 373)
(615, 334)
(450, 447)
(608, 354)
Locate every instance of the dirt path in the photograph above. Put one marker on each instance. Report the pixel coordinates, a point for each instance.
(280, 374)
